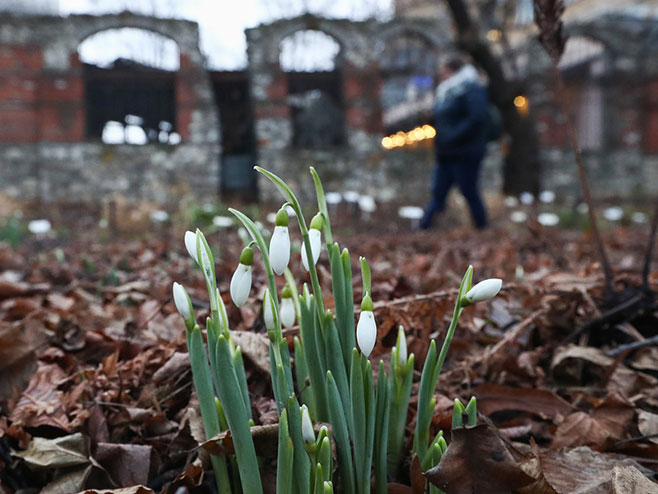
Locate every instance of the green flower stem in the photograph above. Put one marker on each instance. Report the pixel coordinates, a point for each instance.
(293, 289)
(359, 431)
(382, 410)
(344, 310)
(302, 466)
(431, 371)
(318, 484)
(315, 357)
(341, 437)
(301, 372)
(289, 195)
(366, 276)
(322, 207)
(204, 388)
(238, 365)
(284, 467)
(425, 392)
(257, 237)
(472, 412)
(236, 415)
(348, 326)
(400, 382)
(458, 411)
(371, 410)
(275, 339)
(336, 365)
(324, 458)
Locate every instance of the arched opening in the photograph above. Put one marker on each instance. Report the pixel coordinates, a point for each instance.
(408, 64)
(311, 60)
(130, 86)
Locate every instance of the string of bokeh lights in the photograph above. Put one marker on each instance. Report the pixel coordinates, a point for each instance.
(402, 138)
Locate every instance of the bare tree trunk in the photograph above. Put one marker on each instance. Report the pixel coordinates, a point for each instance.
(521, 169)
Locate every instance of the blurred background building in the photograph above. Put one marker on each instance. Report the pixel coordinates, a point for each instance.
(125, 103)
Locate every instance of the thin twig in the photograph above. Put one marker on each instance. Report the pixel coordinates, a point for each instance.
(632, 346)
(649, 253)
(561, 94)
(607, 317)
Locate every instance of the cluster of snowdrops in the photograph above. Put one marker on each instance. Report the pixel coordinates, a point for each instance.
(331, 381)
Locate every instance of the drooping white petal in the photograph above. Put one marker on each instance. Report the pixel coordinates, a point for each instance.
(307, 426)
(287, 312)
(366, 332)
(241, 284)
(485, 290)
(190, 244)
(181, 301)
(280, 249)
(315, 238)
(268, 311)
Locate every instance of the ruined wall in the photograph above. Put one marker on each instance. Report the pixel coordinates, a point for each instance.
(624, 167)
(43, 150)
(361, 165)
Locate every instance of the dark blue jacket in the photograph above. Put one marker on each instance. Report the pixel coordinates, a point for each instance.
(462, 123)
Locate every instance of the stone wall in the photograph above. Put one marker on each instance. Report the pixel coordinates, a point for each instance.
(43, 153)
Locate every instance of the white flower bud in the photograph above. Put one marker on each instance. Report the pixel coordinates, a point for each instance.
(287, 312)
(280, 249)
(366, 332)
(182, 301)
(483, 291)
(315, 238)
(241, 284)
(307, 426)
(268, 311)
(190, 244)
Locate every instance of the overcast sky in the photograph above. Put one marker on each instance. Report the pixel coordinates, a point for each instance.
(222, 23)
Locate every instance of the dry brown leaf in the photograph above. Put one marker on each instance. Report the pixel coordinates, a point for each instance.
(477, 460)
(573, 471)
(67, 451)
(41, 403)
(646, 359)
(647, 423)
(138, 489)
(265, 441)
(255, 347)
(546, 404)
(580, 429)
(127, 464)
(629, 480)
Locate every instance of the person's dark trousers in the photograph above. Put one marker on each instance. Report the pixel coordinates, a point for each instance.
(464, 171)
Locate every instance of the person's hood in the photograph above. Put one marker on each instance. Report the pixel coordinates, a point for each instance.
(456, 83)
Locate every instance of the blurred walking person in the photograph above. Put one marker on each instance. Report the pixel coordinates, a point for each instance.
(461, 118)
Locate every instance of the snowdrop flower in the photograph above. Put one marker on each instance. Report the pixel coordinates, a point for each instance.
(241, 280)
(268, 311)
(548, 219)
(614, 213)
(366, 329)
(287, 311)
(527, 198)
(39, 227)
(183, 304)
(280, 243)
(307, 426)
(315, 238)
(190, 244)
(483, 291)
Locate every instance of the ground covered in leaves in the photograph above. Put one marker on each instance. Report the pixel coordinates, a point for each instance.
(96, 392)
